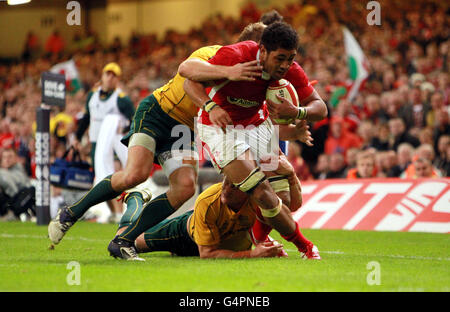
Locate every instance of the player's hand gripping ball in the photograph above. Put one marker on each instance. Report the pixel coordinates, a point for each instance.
(284, 89)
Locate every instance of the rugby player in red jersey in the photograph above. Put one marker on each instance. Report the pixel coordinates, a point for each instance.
(234, 126)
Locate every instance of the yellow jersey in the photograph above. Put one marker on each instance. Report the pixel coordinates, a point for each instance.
(214, 223)
(172, 98)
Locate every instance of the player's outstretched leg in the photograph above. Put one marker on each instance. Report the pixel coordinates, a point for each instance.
(135, 199)
(67, 216)
(181, 187)
(139, 164)
(307, 249)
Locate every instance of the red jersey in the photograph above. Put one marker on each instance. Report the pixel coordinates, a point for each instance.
(244, 100)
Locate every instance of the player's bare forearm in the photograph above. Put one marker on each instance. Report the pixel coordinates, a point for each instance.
(198, 70)
(298, 131)
(223, 253)
(196, 91)
(261, 251)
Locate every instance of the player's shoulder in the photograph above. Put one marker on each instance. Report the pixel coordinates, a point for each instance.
(208, 197)
(296, 74)
(238, 52)
(295, 67)
(122, 95)
(248, 46)
(211, 48)
(211, 193)
(93, 90)
(205, 53)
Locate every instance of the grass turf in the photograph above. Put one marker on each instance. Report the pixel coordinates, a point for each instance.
(407, 262)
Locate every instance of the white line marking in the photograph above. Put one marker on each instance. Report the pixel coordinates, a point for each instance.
(389, 256)
(5, 235)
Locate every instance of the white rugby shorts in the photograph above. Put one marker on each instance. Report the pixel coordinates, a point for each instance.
(225, 146)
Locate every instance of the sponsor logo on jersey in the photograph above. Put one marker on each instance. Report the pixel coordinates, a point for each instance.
(242, 102)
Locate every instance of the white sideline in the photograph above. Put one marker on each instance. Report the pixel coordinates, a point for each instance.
(336, 252)
(389, 256)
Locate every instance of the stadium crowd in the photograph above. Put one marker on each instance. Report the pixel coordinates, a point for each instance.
(397, 126)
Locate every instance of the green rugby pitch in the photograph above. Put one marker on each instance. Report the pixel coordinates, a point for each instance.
(397, 261)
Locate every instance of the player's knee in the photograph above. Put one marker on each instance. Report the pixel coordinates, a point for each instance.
(265, 196)
(285, 197)
(184, 188)
(135, 177)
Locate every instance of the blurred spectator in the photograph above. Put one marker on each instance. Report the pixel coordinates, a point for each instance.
(443, 124)
(55, 44)
(446, 168)
(116, 45)
(350, 157)
(9, 101)
(380, 141)
(437, 103)
(373, 109)
(422, 169)
(322, 167)
(337, 167)
(16, 192)
(405, 152)
(366, 132)
(414, 113)
(398, 134)
(6, 134)
(32, 47)
(425, 151)
(340, 139)
(300, 167)
(365, 166)
(427, 89)
(388, 164)
(426, 136)
(441, 161)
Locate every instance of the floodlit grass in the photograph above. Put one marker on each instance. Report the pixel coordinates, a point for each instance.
(407, 262)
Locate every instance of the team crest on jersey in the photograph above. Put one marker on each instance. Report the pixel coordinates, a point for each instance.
(241, 102)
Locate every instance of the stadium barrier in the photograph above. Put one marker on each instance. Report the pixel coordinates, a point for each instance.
(414, 205)
(419, 205)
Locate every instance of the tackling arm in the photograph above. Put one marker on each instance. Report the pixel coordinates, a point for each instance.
(261, 251)
(298, 131)
(199, 70)
(196, 91)
(218, 116)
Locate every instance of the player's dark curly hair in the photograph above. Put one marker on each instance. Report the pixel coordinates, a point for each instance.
(279, 35)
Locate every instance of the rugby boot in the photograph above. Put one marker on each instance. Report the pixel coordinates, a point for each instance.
(123, 249)
(311, 252)
(58, 227)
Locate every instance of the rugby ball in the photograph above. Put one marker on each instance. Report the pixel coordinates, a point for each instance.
(284, 89)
